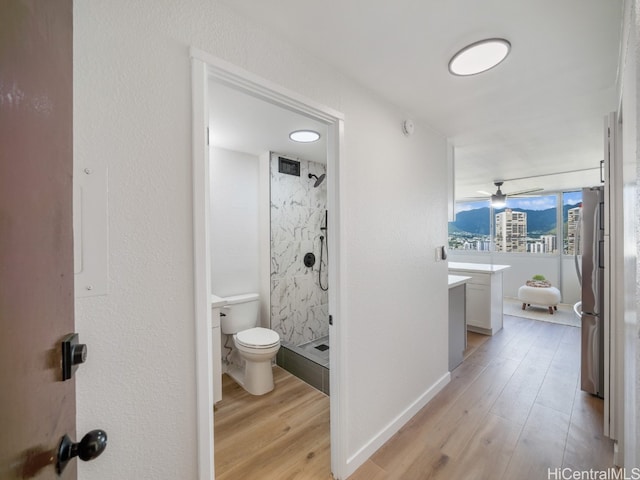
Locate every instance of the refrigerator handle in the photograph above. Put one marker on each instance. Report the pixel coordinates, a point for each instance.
(576, 248)
(600, 253)
(597, 259)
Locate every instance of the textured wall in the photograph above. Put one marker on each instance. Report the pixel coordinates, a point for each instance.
(636, 183)
(634, 310)
(132, 107)
(394, 190)
(630, 89)
(299, 307)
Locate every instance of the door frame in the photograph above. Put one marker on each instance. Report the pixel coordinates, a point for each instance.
(205, 67)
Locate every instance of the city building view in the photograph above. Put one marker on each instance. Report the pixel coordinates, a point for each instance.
(525, 225)
(572, 224)
(511, 231)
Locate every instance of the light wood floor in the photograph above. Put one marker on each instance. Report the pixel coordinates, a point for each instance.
(283, 435)
(512, 410)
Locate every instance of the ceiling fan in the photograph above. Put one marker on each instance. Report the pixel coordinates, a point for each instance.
(499, 199)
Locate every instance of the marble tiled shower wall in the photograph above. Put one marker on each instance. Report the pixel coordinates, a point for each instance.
(299, 308)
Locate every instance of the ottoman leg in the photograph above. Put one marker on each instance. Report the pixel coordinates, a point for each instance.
(524, 305)
(555, 307)
(551, 310)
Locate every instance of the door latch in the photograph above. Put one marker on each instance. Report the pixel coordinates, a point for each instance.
(73, 354)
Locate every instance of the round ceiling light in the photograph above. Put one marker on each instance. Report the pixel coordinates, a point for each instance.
(304, 136)
(479, 57)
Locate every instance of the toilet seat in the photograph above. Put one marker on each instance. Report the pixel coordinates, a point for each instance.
(257, 337)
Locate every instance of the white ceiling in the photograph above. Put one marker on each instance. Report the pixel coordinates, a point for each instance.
(540, 112)
(240, 122)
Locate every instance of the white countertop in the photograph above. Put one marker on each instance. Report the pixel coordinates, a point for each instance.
(455, 280)
(477, 267)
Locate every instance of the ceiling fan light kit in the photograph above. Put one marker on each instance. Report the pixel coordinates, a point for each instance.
(498, 201)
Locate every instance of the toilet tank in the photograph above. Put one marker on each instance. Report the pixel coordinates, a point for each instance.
(240, 313)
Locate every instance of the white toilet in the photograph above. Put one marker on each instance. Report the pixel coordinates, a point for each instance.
(257, 346)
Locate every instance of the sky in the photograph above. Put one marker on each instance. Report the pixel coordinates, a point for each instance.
(571, 198)
(532, 203)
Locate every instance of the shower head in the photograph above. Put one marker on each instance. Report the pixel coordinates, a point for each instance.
(319, 179)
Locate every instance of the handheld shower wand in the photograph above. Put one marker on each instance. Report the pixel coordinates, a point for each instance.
(322, 244)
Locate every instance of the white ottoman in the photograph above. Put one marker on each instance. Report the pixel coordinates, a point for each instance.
(545, 296)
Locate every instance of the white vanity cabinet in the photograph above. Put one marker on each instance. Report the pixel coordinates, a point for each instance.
(484, 295)
(216, 346)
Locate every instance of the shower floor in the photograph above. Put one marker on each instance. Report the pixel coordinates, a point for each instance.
(317, 350)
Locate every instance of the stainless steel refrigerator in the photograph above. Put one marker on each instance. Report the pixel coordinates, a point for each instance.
(591, 260)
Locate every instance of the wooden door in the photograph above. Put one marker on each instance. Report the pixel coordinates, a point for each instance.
(36, 243)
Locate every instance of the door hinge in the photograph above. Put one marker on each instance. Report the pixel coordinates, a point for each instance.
(330, 319)
(207, 135)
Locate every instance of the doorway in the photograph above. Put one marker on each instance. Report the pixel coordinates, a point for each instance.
(206, 68)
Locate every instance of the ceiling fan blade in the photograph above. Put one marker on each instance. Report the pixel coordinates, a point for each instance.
(524, 192)
(485, 193)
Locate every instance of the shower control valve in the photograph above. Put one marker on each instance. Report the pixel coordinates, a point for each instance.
(309, 260)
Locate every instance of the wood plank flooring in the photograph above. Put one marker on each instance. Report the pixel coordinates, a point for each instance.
(512, 410)
(281, 435)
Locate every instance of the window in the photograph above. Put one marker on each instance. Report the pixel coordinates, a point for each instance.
(472, 228)
(525, 225)
(571, 207)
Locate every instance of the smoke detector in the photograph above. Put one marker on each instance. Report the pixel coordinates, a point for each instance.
(408, 127)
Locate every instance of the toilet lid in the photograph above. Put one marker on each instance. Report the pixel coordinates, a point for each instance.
(258, 337)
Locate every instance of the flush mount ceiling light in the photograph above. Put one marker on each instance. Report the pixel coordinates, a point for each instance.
(479, 57)
(304, 136)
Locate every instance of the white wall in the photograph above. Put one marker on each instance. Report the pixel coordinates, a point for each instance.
(235, 263)
(395, 215)
(132, 107)
(628, 90)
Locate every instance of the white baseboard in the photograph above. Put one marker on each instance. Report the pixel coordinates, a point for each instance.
(363, 454)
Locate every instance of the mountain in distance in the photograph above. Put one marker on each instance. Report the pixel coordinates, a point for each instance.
(541, 222)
